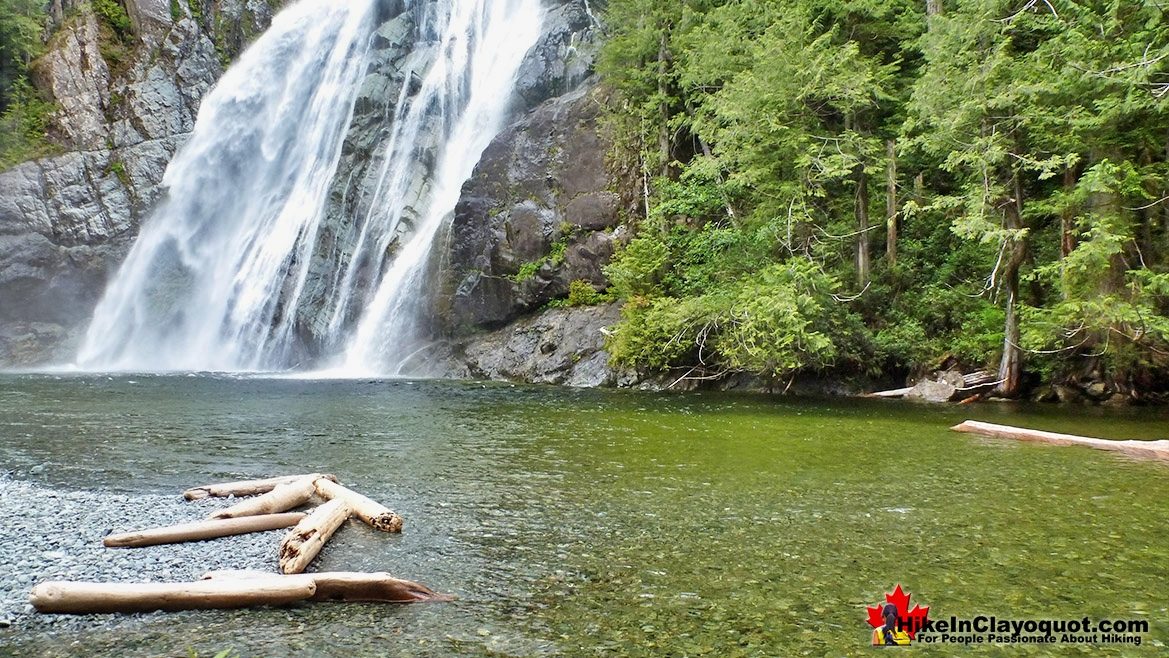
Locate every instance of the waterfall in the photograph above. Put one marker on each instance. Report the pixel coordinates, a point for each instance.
(474, 74)
(216, 279)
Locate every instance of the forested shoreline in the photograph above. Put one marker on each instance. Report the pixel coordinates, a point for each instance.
(872, 189)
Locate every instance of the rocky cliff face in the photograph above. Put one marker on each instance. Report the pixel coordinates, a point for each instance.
(541, 213)
(66, 221)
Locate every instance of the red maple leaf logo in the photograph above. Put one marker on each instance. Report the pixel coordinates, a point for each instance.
(908, 620)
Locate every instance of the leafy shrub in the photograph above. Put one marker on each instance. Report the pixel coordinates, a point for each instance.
(771, 323)
(582, 293)
(113, 14)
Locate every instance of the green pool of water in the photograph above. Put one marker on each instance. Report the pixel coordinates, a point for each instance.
(598, 523)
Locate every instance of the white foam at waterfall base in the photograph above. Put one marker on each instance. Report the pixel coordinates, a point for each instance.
(214, 280)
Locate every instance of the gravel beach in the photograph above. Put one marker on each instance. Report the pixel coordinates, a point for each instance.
(57, 535)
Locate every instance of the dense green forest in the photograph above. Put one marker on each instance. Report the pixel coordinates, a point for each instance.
(875, 187)
(24, 113)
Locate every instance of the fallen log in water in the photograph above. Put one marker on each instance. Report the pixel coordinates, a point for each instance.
(350, 586)
(891, 393)
(201, 530)
(248, 487)
(305, 540)
(1144, 449)
(89, 598)
(378, 516)
(283, 497)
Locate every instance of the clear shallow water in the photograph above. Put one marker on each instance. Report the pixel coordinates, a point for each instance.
(591, 523)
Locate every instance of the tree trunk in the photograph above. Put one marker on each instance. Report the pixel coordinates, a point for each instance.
(83, 598)
(862, 220)
(1147, 449)
(891, 202)
(283, 497)
(201, 530)
(664, 150)
(307, 539)
(1107, 203)
(378, 516)
(933, 7)
(1067, 229)
(350, 586)
(1067, 224)
(1010, 366)
(247, 487)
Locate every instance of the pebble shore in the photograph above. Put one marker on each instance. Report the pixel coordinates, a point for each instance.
(57, 535)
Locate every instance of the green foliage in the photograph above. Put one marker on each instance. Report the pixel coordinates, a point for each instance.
(196, 8)
(118, 169)
(582, 293)
(113, 14)
(176, 11)
(21, 26)
(527, 271)
(558, 250)
(1032, 176)
(556, 254)
(772, 323)
(23, 126)
(637, 270)
(116, 37)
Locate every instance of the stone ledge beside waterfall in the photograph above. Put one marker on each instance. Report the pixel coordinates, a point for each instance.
(556, 346)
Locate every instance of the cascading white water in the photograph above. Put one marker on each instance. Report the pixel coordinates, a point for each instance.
(215, 278)
(483, 52)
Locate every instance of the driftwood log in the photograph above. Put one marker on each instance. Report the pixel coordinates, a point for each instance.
(248, 487)
(283, 497)
(349, 586)
(378, 516)
(891, 393)
(307, 538)
(201, 530)
(89, 598)
(1143, 449)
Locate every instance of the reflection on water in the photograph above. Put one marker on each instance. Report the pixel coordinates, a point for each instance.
(592, 523)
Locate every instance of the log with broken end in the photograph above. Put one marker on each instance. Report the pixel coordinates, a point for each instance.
(307, 538)
(350, 586)
(283, 497)
(378, 516)
(248, 487)
(89, 598)
(201, 530)
(1144, 449)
